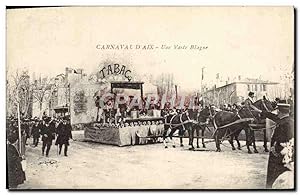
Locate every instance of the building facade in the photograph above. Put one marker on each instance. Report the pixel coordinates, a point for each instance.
(237, 92)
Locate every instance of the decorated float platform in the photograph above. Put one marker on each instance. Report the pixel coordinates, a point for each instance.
(131, 132)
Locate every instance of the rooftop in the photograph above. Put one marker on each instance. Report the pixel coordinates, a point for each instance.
(247, 81)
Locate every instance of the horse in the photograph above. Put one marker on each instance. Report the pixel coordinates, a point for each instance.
(263, 105)
(181, 122)
(223, 118)
(203, 118)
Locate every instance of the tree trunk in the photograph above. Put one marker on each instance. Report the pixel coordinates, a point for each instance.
(41, 107)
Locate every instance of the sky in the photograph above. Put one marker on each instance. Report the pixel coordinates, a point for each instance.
(248, 41)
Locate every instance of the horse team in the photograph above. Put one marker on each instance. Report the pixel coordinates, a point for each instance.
(227, 125)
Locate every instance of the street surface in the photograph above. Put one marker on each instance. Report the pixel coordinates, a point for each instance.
(97, 166)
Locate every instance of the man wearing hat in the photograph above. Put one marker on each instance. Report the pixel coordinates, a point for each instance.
(15, 172)
(283, 135)
(36, 132)
(26, 129)
(249, 102)
(64, 133)
(48, 134)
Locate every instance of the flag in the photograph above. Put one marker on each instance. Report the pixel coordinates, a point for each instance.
(78, 71)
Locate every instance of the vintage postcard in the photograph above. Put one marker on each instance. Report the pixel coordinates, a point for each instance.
(150, 98)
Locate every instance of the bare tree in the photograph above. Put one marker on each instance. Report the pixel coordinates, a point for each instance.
(19, 91)
(42, 91)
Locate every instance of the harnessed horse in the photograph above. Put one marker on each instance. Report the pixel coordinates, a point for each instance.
(203, 118)
(263, 105)
(181, 122)
(230, 124)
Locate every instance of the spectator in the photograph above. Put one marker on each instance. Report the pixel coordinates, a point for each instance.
(15, 172)
(64, 132)
(36, 132)
(48, 134)
(281, 141)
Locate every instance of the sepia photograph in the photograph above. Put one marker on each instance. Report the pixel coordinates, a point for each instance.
(150, 98)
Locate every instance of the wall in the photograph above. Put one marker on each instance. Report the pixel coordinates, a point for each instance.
(62, 96)
(279, 90)
(82, 104)
(269, 90)
(227, 94)
(221, 95)
(238, 92)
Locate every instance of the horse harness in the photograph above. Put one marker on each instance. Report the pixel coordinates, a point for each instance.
(182, 123)
(240, 120)
(263, 103)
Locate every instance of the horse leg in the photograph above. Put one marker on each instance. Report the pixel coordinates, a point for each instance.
(164, 137)
(254, 145)
(181, 134)
(217, 142)
(171, 137)
(238, 142)
(97, 118)
(197, 133)
(231, 142)
(265, 141)
(202, 134)
(191, 138)
(248, 141)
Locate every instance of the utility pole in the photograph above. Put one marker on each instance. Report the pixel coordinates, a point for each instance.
(19, 128)
(19, 123)
(176, 92)
(202, 77)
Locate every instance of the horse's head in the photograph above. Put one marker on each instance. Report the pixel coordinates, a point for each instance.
(205, 115)
(246, 112)
(191, 114)
(264, 105)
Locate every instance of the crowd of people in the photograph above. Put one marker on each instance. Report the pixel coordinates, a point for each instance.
(47, 128)
(109, 114)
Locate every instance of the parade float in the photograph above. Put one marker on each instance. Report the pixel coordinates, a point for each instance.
(101, 123)
(130, 130)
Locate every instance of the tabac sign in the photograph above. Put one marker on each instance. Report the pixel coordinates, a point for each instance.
(115, 69)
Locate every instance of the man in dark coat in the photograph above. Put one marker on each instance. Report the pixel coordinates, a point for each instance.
(64, 133)
(36, 128)
(250, 101)
(15, 172)
(48, 134)
(25, 128)
(283, 133)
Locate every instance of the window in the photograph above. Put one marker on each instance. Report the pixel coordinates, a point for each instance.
(255, 87)
(248, 87)
(264, 88)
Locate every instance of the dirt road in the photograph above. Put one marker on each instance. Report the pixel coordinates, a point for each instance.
(93, 165)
